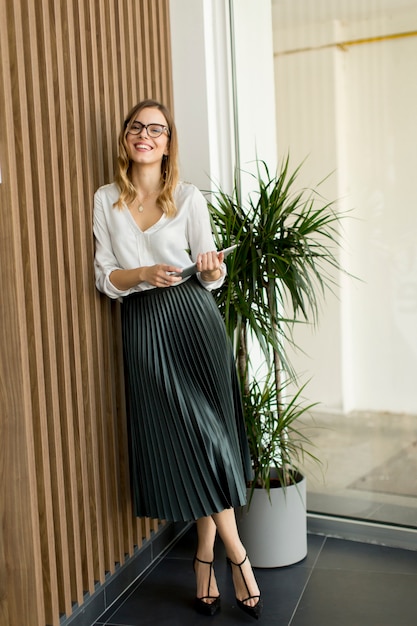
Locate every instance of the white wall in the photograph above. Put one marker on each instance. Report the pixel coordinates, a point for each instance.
(200, 43)
(254, 83)
(206, 110)
(353, 110)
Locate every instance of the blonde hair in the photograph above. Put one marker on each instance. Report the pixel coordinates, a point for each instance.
(169, 165)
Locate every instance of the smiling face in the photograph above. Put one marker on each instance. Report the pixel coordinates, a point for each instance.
(141, 148)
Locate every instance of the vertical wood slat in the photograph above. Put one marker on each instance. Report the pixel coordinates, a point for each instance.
(74, 419)
(93, 543)
(25, 577)
(23, 100)
(163, 39)
(145, 35)
(98, 379)
(69, 72)
(40, 226)
(51, 158)
(92, 515)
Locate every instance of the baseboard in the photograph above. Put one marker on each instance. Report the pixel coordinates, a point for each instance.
(364, 531)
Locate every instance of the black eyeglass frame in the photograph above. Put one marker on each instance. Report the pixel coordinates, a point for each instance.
(139, 128)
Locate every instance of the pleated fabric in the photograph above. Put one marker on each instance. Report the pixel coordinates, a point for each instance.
(189, 451)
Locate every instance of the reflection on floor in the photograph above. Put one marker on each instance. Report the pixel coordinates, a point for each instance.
(369, 468)
(340, 583)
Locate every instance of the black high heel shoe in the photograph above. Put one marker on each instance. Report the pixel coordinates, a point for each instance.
(200, 604)
(256, 610)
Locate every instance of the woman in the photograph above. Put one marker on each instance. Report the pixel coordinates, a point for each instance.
(189, 454)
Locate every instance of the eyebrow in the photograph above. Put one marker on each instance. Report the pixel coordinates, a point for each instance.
(142, 124)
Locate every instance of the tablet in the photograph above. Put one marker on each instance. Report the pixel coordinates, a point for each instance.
(192, 269)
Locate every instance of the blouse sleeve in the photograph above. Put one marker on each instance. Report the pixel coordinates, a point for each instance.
(105, 261)
(200, 236)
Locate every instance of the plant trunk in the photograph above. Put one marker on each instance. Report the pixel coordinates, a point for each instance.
(278, 373)
(242, 359)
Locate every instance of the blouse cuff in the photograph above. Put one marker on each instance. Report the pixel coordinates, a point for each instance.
(213, 284)
(111, 291)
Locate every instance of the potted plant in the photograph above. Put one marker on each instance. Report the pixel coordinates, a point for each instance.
(287, 241)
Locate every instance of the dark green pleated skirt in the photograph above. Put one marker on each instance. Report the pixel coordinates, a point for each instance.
(189, 452)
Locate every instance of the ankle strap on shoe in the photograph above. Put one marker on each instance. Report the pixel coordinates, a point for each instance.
(237, 564)
(205, 562)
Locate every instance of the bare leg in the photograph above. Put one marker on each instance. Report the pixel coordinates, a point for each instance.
(227, 529)
(225, 524)
(206, 533)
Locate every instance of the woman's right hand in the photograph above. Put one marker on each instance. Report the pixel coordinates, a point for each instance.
(156, 275)
(161, 275)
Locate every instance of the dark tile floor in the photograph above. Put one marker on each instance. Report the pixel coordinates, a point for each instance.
(340, 583)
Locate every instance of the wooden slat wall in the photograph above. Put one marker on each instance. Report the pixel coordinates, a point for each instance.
(69, 71)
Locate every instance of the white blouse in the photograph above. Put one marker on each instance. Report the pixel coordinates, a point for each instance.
(121, 244)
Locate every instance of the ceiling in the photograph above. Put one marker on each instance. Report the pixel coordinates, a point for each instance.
(306, 11)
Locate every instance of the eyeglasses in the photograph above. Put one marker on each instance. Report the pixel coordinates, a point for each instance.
(152, 130)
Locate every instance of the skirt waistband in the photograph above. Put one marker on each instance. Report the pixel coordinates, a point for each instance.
(157, 290)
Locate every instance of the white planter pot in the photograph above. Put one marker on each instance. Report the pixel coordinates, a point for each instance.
(274, 532)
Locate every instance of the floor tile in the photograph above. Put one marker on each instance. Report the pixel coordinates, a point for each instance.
(166, 598)
(338, 554)
(352, 598)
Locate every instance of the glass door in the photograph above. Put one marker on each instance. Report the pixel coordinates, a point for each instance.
(346, 101)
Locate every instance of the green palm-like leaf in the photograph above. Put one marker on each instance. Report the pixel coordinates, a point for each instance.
(288, 241)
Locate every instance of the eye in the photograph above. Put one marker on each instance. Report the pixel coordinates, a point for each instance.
(155, 129)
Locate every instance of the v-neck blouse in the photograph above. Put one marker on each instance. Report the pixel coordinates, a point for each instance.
(121, 244)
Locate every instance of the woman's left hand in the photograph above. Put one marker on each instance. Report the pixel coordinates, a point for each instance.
(208, 263)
